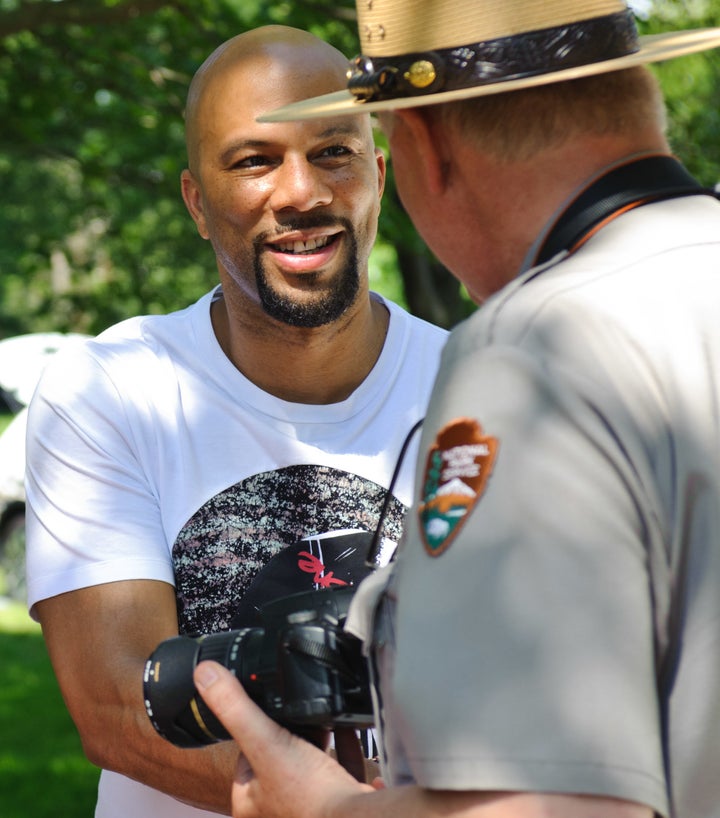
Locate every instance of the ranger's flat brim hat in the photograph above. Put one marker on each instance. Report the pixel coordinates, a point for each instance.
(425, 52)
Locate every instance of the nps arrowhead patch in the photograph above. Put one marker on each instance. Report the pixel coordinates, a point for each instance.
(457, 469)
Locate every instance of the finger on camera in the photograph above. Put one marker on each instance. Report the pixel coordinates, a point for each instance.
(225, 696)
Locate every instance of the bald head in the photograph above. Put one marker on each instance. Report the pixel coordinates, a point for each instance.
(273, 54)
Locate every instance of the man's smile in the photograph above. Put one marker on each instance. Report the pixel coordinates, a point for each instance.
(304, 246)
(302, 252)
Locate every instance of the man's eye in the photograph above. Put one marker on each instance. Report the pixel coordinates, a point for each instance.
(337, 151)
(255, 161)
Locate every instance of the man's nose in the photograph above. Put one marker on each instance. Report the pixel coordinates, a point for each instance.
(300, 186)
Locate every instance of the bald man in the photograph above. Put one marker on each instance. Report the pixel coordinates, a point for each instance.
(183, 469)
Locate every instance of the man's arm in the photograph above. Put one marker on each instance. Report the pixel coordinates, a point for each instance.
(282, 776)
(98, 639)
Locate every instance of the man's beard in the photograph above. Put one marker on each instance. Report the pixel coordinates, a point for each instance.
(322, 309)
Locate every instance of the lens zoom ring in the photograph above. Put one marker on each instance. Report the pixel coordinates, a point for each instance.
(218, 647)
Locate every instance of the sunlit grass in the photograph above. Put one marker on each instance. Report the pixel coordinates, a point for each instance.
(43, 771)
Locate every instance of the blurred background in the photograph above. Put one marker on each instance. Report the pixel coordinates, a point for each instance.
(92, 225)
(93, 229)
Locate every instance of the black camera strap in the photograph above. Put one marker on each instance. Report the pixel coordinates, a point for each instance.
(623, 188)
(374, 548)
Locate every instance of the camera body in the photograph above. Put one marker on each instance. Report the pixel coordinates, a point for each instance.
(300, 667)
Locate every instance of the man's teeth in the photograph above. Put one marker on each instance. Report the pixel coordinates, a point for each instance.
(302, 246)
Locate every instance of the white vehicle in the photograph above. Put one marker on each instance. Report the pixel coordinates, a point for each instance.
(22, 359)
(12, 507)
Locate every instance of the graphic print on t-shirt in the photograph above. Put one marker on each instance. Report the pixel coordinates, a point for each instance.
(230, 555)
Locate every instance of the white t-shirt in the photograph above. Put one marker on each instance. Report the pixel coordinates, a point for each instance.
(150, 456)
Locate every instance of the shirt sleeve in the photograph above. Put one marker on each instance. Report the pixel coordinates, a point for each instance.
(92, 513)
(525, 649)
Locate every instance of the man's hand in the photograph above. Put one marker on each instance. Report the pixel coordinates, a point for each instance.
(279, 775)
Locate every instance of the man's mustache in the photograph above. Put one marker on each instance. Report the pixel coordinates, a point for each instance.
(300, 223)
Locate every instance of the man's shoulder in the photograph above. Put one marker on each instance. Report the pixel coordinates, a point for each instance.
(145, 327)
(414, 323)
(137, 354)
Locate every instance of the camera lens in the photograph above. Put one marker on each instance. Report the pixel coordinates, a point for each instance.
(175, 708)
(302, 669)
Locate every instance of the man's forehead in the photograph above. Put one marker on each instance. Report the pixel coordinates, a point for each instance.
(241, 85)
(256, 85)
(238, 98)
(307, 64)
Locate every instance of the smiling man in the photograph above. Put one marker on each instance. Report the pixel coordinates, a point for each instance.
(184, 469)
(291, 213)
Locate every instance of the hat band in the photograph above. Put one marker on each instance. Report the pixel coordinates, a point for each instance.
(524, 55)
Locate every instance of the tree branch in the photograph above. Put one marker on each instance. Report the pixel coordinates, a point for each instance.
(35, 15)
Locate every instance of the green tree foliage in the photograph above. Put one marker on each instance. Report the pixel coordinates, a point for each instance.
(692, 87)
(92, 225)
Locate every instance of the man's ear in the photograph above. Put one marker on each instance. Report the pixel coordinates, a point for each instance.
(429, 143)
(192, 196)
(382, 170)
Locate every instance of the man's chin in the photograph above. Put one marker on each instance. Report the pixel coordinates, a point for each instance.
(311, 299)
(304, 310)
(302, 317)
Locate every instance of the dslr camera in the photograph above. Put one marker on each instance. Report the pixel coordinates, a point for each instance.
(300, 667)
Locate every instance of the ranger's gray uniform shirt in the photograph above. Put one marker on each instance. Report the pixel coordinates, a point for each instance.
(568, 489)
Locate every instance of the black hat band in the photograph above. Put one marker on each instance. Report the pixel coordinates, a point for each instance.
(492, 61)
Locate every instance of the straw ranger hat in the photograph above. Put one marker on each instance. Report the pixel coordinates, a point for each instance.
(422, 52)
